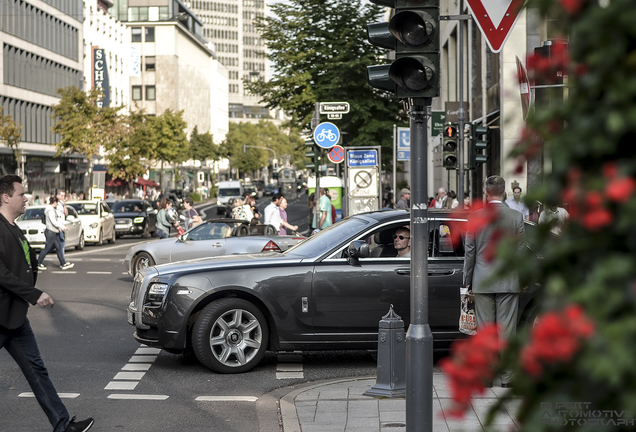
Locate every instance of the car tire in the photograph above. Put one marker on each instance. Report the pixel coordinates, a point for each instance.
(530, 315)
(80, 245)
(226, 346)
(113, 238)
(141, 261)
(146, 233)
(100, 239)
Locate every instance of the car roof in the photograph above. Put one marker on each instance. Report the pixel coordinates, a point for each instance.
(382, 215)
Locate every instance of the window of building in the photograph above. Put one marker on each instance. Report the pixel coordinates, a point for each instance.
(136, 92)
(150, 93)
(150, 63)
(150, 34)
(136, 34)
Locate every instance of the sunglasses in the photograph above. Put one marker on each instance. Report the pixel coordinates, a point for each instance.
(401, 237)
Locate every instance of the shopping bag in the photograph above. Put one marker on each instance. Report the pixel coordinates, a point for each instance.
(467, 321)
(180, 230)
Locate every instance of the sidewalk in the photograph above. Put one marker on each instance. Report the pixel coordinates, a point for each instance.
(340, 406)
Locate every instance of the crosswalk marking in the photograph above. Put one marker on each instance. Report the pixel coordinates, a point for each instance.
(226, 399)
(129, 376)
(137, 396)
(147, 351)
(61, 395)
(289, 366)
(63, 272)
(142, 359)
(136, 367)
(99, 272)
(121, 385)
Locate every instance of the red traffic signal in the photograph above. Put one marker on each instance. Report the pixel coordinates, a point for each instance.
(450, 132)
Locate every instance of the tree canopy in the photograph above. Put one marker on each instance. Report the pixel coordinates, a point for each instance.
(320, 52)
(202, 146)
(10, 130)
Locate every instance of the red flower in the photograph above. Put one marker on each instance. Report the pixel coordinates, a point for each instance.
(597, 218)
(620, 189)
(471, 365)
(593, 199)
(555, 338)
(610, 170)
(571, 6)
(493, 243)
(481, 219)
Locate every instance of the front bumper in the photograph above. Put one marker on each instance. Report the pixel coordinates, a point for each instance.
(129, 228)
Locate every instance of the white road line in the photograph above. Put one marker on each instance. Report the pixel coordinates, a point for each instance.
(104, 259)
(137, 396)
(226, 398)
(289, 367)
(121, 385)
(142, 359)
(61, 395)
(98, 272)
(125, 273)
(136, 367)
(64, 272)
(289, 375)
(147, 351)
(129, 376)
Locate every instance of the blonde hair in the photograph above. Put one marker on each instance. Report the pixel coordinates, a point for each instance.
(238, 202)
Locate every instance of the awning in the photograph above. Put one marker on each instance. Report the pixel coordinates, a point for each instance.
(143, 182)
(116, 182)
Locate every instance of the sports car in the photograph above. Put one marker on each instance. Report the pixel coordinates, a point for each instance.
(327, 292)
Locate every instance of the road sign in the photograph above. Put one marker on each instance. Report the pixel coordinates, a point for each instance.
(363, 182)
(495, 19)
(437, 122)
(326, 135)
(334, 107)
(362, 158)
(404, 155)
(336, 154)
(334, 116)
(404, 138)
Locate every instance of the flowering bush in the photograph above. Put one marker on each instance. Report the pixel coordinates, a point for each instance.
(581, 348)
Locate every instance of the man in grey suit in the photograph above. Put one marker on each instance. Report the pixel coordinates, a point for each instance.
(496, 300)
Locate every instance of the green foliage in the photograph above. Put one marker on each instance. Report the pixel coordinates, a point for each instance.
(128, 157)
(590, 139)
(172, 142)
(320, 53)
(202, 146)
(196, 197)
(10, 130)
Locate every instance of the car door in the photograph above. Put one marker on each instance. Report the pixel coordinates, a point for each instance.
(205, 240)
(74, 227)
(349, 300)
(108, 221)
(151, 215)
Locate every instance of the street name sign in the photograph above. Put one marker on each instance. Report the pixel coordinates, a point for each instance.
(362, 158)
(496, 19)
(334, 116)
(326, 135)
(336, 154)
(334, 107)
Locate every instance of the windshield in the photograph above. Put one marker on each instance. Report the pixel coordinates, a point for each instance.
(128, 207)
(229, 192)
(328, 239)
(85, 208)
(32, 214)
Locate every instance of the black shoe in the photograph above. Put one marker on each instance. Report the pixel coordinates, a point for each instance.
(79, 426)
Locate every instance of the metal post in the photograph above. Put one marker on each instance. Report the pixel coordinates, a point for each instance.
(461, 115)
(315, 121)
(419, 339)
(394, 162)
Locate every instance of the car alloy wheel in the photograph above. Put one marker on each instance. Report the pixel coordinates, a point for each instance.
(230, 336)
(100, 240)
(113, 238)
(141, 261)
(81, 243)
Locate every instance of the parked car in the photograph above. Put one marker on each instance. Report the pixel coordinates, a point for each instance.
(228, 190)
(327, 292)
(134, 217)
(31, 225)
(270, 190)
(97, 220)
(213, 238)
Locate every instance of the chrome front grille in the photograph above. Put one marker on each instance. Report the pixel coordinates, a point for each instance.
(135, 290)
(123, 221)
(33, 231)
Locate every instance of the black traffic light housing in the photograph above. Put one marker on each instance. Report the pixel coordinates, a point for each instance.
(449, 147)
(478, 147)
(314, 153)
(413, 33)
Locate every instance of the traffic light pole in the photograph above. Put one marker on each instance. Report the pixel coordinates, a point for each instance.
(315, 121)
(419, 339)
(461, 115)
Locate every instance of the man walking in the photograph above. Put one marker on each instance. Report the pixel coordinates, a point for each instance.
(325, 211)
(272, 212)
(18, 274)
(515, 203)
(62, 212)
(495, 301)
(403, 202)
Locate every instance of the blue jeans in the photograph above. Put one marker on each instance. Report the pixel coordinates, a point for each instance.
(162, 234)
(22, 346)
(52, 241)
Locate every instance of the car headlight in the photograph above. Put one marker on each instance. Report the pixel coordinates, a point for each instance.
(218, 203)
(157, 292)
(93, 225)
(138, 220)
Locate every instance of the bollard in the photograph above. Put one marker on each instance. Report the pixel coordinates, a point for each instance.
(391, 372)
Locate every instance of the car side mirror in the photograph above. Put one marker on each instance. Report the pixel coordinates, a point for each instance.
(182, 238)
(70, 218)
(357, 249)
(150, 209)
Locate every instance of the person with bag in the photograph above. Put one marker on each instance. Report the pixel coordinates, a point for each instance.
(191, 215)
(242, 211)
(53, 233)
(164, 219)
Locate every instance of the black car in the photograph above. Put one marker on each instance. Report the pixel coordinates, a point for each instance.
(328, 292)
(134, 217)
(270, 190)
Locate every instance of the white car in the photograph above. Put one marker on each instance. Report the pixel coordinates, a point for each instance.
(97, 219)
(31, 225)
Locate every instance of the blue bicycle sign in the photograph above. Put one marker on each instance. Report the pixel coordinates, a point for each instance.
(326, 135)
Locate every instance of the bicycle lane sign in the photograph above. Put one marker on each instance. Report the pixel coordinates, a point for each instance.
(326, 135)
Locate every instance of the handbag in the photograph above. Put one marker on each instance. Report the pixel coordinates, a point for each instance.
(467, 321)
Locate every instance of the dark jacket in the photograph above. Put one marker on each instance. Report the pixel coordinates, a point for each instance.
(17, 278)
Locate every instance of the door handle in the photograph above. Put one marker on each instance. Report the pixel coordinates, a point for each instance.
(441, 272)
(217, 245)
(403, 271)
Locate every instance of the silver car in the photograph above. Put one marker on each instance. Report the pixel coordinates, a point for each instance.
(31, 225)
(213, 238)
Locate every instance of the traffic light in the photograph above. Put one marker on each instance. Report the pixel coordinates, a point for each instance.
(478, 143)
(313, 152)
(413, 33)
(449, 147)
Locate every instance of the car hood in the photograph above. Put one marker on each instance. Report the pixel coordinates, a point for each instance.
(128, 215)
(30, 224)
(89, 218)
(225, 261)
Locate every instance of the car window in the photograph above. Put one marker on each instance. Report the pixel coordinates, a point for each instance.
(447, 239)
(381, 241)
(128, 207)
(32, 214)
(328, 238)
(210, 231)
(84, 208)
(229, 192)
(71, 211)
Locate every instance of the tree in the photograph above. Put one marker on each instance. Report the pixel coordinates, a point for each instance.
(128, 157)
(171, 139)
(11, 133)
(581, 348)
(83, 126)
(202, 148)
(320, 53)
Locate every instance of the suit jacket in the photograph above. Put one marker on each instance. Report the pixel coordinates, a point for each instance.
(477, 269)
(17, 277)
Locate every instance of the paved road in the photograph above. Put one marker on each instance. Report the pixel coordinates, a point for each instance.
(88, 347)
